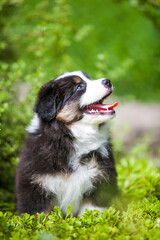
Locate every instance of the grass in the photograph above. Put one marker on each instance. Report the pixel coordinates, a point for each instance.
(134, 215)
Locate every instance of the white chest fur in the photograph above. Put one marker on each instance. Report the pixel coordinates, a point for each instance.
(87, 138)
(69, 189)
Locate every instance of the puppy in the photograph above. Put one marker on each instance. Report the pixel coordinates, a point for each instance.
(67, 158)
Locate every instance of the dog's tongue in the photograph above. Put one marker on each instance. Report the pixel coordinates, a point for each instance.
(102, 106)
(112, 105)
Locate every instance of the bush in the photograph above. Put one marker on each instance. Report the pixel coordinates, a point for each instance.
(25, 50)
(135, 215)
(57, 36)
(41, 39)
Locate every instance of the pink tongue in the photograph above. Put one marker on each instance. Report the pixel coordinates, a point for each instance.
(103, 106)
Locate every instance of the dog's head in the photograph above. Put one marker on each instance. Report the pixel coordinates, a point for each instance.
(73, 96)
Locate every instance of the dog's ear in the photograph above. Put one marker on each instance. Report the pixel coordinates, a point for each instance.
(46, 105)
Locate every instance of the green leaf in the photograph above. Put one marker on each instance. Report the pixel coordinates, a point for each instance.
(69, 209)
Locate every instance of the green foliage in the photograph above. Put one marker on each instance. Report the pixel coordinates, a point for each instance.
(28, 44)
(38, 32)
(108, 38)
(122, 43)
(38, 41)
(150, 8)
(139, 182)
(11, 131)
(133, 215)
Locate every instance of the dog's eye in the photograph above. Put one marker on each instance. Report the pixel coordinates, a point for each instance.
(80, 87)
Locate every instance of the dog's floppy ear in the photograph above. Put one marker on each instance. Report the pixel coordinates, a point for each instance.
(46, 105)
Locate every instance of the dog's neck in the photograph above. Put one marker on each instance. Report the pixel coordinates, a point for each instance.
(88, 137)
(83, 138)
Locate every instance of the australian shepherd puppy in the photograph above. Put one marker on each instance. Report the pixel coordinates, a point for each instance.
(67, 158)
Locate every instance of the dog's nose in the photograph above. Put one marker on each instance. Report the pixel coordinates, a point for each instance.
(107, 83)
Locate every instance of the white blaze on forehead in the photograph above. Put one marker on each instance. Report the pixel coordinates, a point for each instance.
(74, 73)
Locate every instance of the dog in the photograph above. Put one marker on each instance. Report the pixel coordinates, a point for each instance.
(67, 158)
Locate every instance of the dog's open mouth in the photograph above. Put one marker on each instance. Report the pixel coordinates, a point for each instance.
(100, 109)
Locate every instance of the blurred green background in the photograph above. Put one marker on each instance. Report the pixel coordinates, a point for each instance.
(40, 39)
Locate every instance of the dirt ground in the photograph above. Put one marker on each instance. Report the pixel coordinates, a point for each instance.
(134, 120)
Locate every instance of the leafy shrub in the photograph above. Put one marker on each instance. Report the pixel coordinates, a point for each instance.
(139, 182)
(59, 36)
(122, 43)
(25, 50)
(38, 41)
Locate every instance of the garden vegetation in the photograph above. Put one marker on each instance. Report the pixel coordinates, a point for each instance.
(41, 39)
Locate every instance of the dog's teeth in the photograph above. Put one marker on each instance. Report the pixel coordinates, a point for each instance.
(92, 111)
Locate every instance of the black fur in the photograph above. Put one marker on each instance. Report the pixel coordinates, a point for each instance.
(41, 155)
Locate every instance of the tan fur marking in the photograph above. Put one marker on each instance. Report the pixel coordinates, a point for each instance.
(77, 80)
(69, 113)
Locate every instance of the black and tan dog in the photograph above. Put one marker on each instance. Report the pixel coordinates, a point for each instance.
(67, 158)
